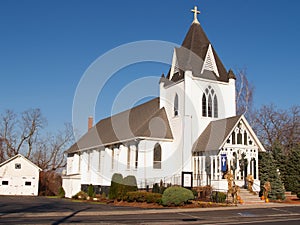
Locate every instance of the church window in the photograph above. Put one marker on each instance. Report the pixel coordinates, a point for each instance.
(157, 156)
(176, 105)
(209, 111)
(204, 112)
(136, 157)
(233, 138)
(215, 107)
(210, 103)
(245, 138)
(4, 182)
(239, 138)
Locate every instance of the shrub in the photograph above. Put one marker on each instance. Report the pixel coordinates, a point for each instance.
(195, 193)
(115, 186)
(156, 188)
(91, 192)
(142, 196)
(80, 195)
(103, 195)
(129, 184)
(61, 192)
(218, 197)
(176, 196)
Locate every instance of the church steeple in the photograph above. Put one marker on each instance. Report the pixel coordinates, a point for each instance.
(197, 55)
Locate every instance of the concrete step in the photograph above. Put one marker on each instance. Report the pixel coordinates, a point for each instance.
(289, 195)
(249, 198)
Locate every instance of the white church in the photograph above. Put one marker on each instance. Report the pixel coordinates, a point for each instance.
(190, 135)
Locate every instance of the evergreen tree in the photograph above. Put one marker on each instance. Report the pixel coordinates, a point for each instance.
(268, 172)
(293, 168)
(281, 163)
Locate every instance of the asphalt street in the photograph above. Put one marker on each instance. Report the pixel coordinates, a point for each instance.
(39, 210)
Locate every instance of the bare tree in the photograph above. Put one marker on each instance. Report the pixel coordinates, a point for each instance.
(18, 135)
(23, 135)
(276, 126)
(49, 154)
(244, 93)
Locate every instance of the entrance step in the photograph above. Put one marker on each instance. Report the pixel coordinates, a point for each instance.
(250, 198)
(290, 196)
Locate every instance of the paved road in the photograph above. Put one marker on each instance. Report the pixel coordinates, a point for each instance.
(14, 210)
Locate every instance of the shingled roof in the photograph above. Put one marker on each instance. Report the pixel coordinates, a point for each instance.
(215, 134)
(145, 121)
(192, 53)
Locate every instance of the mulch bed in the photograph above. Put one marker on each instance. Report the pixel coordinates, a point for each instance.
(193, 204)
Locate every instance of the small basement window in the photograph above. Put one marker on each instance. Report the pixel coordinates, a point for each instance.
(4, 182)
(18, 166)
(27, 183)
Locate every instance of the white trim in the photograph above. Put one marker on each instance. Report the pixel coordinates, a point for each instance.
(210, 62)
(17, 156)
(248, 127)
(120, 142)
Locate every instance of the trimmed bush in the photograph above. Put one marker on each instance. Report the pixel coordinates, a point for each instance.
(129, 184)
(218, 197)
(91, 192)
(176, 196)
(115, 186)
(155, 188)
(158, 188)
(61, 192)
(142, 196)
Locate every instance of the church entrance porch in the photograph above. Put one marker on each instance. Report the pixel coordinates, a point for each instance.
(211, 169)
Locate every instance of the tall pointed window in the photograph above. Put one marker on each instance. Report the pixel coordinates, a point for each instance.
(245, 138)
(176, 105)
(210, 103)
(157, 156)
(204, 112)
(239, 138)
(209, 109)
(215, 107)
(233, 138)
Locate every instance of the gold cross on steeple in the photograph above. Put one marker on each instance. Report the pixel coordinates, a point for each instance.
(195, 11)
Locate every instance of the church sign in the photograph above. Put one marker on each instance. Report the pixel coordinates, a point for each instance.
(187, 180)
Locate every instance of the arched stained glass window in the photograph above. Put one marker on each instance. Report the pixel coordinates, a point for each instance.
(204, 111)
(215, 107)
(210, 103)
(176, 105)
(157, 156)
(209, 109)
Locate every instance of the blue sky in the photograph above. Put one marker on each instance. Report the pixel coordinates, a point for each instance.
(46, 46)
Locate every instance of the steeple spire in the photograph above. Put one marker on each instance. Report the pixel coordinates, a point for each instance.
(195, 11)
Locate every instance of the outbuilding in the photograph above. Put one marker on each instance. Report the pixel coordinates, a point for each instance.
(19, 176)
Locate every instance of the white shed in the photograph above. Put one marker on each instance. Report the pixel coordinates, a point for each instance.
(19, 176)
